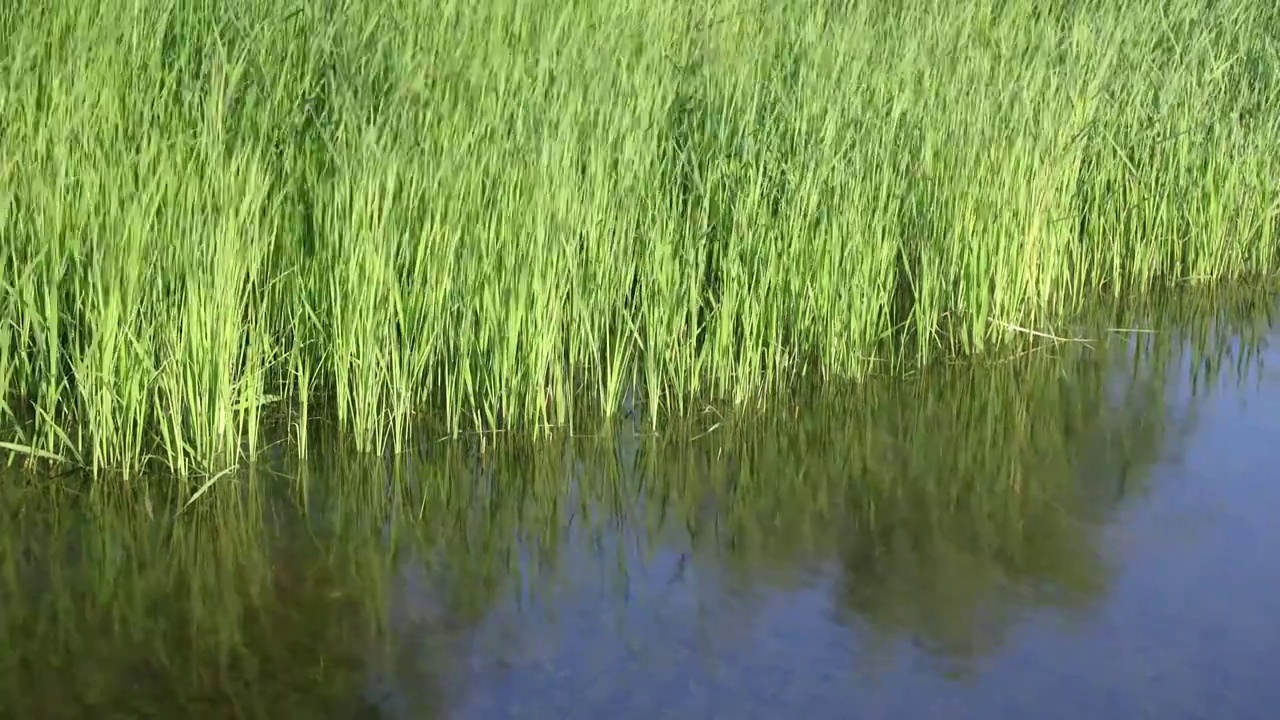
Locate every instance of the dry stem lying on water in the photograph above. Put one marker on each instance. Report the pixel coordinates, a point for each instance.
(406, 208)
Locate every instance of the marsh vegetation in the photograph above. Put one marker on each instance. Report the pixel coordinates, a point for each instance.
(223, 217)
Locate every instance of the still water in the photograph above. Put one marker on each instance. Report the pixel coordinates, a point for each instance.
(1084, 531)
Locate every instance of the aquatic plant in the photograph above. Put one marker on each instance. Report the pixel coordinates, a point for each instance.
(513, 214)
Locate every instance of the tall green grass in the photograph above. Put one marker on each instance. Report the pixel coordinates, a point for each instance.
(512, 213)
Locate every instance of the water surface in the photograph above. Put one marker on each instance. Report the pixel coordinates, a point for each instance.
(1083, 531)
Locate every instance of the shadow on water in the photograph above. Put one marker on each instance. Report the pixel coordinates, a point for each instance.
(685, 573)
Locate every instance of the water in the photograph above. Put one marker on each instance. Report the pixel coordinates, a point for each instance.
(1080, 532)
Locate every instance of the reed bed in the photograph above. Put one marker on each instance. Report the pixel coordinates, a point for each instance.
(509, 213)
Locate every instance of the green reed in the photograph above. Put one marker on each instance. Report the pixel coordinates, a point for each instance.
(510, 213)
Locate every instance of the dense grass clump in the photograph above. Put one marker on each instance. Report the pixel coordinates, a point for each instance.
(508, 212)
